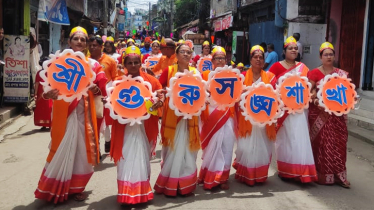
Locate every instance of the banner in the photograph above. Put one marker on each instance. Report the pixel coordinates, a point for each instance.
(16, 69)
(225, 86)
(127, 100)
(187, 94)
(54, 11)
(337, 94)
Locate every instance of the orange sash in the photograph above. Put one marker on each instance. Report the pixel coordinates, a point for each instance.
(170, 121)
(245, 127)
(61, 112)
(150, 125)
(213, 122)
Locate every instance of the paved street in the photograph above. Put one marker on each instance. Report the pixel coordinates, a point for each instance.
(24, 150)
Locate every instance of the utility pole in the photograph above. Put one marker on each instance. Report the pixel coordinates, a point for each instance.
(105, 16)
(171, 16)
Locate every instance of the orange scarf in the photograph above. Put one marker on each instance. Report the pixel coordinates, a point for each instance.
(170, 121)
(150, 125)
(245, 127)
(61, 112)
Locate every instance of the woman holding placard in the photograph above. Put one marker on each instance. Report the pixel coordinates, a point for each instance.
(328, 132)
(293, 149)
(218, 135)
(253, 153)
(205, 53)
(155, 51)
(130, 148)
(74, 148)
(180, 138)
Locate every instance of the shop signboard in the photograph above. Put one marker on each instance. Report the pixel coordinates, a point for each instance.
(16, 69)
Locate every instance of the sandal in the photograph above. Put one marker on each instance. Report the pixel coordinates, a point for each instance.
(345, 184)
(80, 197)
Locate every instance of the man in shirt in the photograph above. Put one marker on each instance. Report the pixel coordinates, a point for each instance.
(109, 65)
(299, 46)
(168, 56)
(147, 46)
(271, 58)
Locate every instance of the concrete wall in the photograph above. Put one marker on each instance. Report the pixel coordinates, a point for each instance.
(311, 35)
(292, 9)
(223, 6)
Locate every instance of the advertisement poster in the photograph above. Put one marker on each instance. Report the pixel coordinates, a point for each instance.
(16, 69)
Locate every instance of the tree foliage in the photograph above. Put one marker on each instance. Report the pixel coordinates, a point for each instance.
(185, 11)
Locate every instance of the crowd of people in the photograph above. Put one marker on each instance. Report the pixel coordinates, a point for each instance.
(309, 146)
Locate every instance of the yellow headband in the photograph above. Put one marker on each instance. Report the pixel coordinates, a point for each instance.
(78, 29)
(155, 42)
(181, 41)
(132, 50)
(130, 40)
(326, 45)
(232, 63)
(240, 65)
(257, 48)
(290, 40)
(110, 39)
(217, 50)
(206, 43)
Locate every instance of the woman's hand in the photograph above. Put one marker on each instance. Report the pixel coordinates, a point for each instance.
(95, 89)
(52, 94)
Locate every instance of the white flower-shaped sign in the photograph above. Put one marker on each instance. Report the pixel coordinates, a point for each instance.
(70, 72)
(127, 99)
(261, 105)
(294, 91)
(187, 94)
(337, 94)
(225, 85)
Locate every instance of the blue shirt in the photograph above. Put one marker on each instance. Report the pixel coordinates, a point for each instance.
(271, 59)
(144, 51)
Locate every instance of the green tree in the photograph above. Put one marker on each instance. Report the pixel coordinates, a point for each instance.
(185, 11)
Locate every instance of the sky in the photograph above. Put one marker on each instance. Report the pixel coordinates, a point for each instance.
(144, 4)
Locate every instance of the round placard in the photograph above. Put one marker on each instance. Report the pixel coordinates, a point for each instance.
(127, 99)
(70, 73)
(187, 94)
(151, 62)
(337, 94)
(294, 91)
(204, 64)
(225, 86)
(261, 105)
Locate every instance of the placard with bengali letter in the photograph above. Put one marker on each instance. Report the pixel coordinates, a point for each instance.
(188, 95)
(204, 64)
(294, 91)
(70, 72)
(127, 99)
(151, 62)
(225, 85)
(337, 94)
(261, 104)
